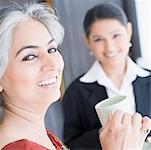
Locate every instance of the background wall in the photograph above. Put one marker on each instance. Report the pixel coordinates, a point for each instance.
(143, 8)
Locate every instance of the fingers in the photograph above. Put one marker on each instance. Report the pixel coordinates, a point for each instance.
(118, 115)
(146, 122)
(114, 118)
(109, 120)
(130, 130)
(137, 121)
(146, 126)
(127, 119)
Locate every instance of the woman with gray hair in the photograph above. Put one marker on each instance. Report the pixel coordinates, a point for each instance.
(30, 75)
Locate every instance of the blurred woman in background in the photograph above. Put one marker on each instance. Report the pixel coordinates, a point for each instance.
(108, 36)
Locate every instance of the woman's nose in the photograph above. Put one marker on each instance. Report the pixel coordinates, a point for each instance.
(49, 63)
(109, 46)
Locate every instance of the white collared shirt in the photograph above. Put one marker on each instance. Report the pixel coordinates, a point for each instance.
(97, 74)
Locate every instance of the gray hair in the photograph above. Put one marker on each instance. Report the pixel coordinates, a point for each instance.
(13, 14)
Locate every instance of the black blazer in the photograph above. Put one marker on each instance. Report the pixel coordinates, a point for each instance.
(81, 123)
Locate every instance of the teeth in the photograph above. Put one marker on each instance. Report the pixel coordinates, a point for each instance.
(110, 54)
(48, 81)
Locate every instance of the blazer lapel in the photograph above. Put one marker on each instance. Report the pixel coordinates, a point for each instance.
(98, 93)
(142, 92)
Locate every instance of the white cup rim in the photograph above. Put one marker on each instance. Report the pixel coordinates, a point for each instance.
(102, 103)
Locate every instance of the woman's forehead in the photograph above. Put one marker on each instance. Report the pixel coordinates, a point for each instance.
(30, 32)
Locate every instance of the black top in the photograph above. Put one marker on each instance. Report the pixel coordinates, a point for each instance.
(81, 123)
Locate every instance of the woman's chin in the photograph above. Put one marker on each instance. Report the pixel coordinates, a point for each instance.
(55, 97)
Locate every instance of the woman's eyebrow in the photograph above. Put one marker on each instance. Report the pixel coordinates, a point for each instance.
(96, 36)
(30, 46)
(52, 40)
(25, 47)
(117, 30)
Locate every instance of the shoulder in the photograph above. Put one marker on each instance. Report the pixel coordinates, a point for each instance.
(148, 76)
(22, 144)
(76, 91)
(16, 145)
(144, 80)
(76, 82)
(78, 85)
(147, 70)
(80, 91)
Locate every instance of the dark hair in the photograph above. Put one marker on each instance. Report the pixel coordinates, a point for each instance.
(103, 11)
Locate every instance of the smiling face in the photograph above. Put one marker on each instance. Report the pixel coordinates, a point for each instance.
(33, 75)
(109, 41)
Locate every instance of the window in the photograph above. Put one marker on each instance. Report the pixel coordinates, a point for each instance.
(143, 9)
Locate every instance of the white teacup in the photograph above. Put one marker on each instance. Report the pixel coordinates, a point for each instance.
(105, 107)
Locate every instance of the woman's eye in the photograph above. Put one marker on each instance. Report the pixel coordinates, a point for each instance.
(52, 50)
(29, 57)
(97, 40)
(116, 35)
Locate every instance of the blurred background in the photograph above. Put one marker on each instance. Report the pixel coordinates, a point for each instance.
(76, 55)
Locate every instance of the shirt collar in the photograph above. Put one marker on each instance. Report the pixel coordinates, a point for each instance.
(133, 68)
(97, 74)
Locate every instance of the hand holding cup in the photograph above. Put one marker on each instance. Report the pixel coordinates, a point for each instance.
(124, 131)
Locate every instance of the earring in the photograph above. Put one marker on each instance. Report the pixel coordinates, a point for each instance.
(129, 44)
(91, 53)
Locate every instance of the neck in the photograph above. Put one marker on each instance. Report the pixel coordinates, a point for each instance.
(24, 124)
(116, 73)
(24, 117)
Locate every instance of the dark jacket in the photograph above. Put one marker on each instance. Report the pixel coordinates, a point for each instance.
(81, 123)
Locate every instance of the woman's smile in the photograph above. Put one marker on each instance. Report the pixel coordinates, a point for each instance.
(111, 55)
(48, 82)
